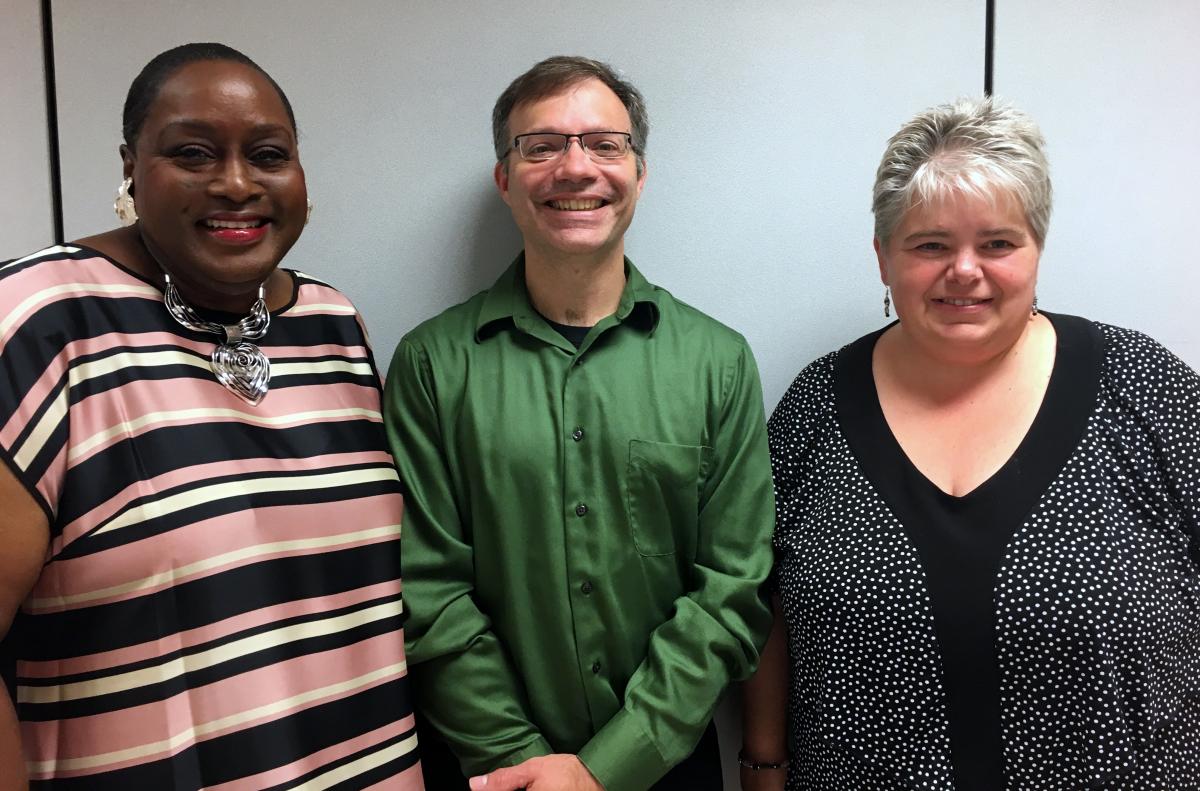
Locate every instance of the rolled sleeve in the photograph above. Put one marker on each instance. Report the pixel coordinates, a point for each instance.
(463, 679)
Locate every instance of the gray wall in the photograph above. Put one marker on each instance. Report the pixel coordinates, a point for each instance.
(768, 121)
(1116, 89)
(25, 205)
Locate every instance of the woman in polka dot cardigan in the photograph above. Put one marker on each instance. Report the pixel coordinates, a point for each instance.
(988, 527)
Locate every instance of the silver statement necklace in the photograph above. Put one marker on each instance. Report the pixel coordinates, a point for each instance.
(238, 364)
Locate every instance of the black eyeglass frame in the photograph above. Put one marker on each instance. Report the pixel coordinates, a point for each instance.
(567, 138)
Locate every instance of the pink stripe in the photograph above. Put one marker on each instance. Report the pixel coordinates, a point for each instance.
(137, 398)
(17, 294)
(319, 759)
(209, 538)
(48, 383)
(127, 728)
(153, 487)
(176, 641)
(321, 294)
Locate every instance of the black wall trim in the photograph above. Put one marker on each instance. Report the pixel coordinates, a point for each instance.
(989, 46)
(52, 120)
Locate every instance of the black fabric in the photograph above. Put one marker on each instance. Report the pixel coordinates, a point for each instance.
(961, 540)
(574, 335)
(700, 771)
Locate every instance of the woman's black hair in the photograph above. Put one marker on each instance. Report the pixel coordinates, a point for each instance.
(145, 87)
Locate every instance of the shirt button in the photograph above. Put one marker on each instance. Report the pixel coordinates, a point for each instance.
(586, 587)
(596, 668)
(577, 434)
(581, 510)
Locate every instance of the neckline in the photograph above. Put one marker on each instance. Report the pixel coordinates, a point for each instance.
(1059, 423)
(1034, 435)
(282, 309)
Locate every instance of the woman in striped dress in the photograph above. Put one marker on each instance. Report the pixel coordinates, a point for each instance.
(199, 517)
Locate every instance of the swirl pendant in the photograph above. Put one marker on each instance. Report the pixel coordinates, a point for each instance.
(240, 366)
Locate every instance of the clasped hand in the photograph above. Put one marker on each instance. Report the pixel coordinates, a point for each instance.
(546, 773)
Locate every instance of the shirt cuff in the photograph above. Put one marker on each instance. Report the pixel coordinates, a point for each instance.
(622, 756)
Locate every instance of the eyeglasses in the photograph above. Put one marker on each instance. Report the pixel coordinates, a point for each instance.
(545, 146)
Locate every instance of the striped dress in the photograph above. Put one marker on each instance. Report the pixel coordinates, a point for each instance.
(220, 606)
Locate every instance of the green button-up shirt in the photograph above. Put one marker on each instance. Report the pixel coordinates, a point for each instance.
(586, 531)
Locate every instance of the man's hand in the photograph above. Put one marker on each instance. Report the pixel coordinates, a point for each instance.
(547, 773)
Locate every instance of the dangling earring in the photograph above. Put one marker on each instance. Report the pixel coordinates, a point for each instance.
(1034, 310)
(887, 302)
(123, 205)
(308, 214)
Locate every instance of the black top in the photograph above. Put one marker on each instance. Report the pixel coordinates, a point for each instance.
(574, 335)
(960, 540)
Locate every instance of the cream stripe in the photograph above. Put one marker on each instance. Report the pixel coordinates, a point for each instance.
(58, 248)
(115, 362)
(69, 288)
(192, 663)
(37, 438)
(151, 418)
(246, 553)
(197, 732)
(319, 307)
(355, 768)
(319, 367)
(81, 373)
(218, 491)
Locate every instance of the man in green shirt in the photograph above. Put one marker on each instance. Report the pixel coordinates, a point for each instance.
(589, 504)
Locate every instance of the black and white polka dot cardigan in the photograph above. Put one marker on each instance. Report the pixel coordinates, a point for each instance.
(1097, 601)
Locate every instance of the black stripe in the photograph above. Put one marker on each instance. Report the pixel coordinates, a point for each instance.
(44, 334)
(379, 774)
(216, 480)
(189, 605)
(169, 448)
(196, 679)
(326, 377)
(52, 119)
(365, 779)
(92, 544)
(200, 648)
(989, 46)
(248, 752)
(128, 374)
(18, 362)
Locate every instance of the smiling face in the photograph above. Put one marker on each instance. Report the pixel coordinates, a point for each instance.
(217, 181)
(571, 206)
(962, 273)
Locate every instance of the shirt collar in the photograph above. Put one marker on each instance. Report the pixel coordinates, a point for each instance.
(508, 301)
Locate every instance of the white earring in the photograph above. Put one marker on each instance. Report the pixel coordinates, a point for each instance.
(123, 205)
(308, 213)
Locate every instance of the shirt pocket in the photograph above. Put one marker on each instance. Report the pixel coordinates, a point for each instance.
(662, 495)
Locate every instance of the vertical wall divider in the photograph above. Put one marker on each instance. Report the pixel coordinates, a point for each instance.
(989, 45)
(52, 121)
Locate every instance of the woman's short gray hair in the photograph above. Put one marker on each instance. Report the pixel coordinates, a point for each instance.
(976, 147)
